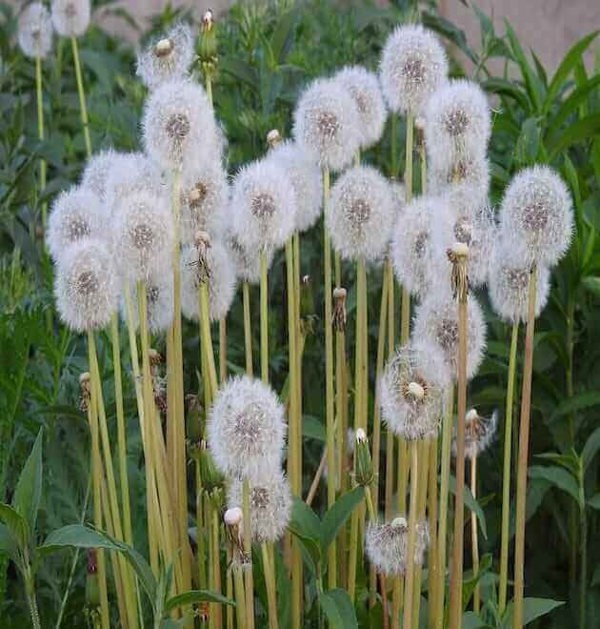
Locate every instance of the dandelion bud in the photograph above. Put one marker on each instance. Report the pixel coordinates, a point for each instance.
(168, 58)
(85, 392)
(71, 18)
(76, 214)
(270, 506)
(339, 309)
(35, 31)
(363, 464)
(263, 205)
(413, 65)
(479, 433)
(411, 391)
(207, 42)
(361, 215)
(274, 138)
(305, 177)
(436, 319)
(537, 211)
(246, 429)
(326, 123)
(86, 286)
(178, 119)
(234, 521)
(364, 89)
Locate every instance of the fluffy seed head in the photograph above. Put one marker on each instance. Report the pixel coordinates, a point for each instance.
(361, 215)
(70, 17)
(159, 301)
(221, 280)
(97, 169)
(76, 214)
(35, 31)
(366, 92)
(412, 67)
(246, 262)
(246, 429)
(270, 505)
(411, 390)
(144, 235)
(437, 319)
(86, 286)
(178, 122)
(509, 284)
(326, 123)
(537, 211)
(167, 58)
(263, 205)
(479, 433)
(465, 182)
(306, 180)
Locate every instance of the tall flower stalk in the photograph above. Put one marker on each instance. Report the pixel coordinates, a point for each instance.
(82, 100)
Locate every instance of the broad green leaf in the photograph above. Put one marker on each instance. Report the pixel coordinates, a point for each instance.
(29, 487)
(594, 501)
(576, 403)
(568, 461)
(592, 284)
(339, 609)
(573, 102)
(450, 31)
(283, 35)
(471, 620)
(531, 81)
(8, 543)
(503, 87)
(196, 596)
(528, 142)
(306, 526)
(471, 504)
(579, 131)
(591, 447)
(336, 517)
(559, 477)
(313, 428)
(532, 608)
(15, 523)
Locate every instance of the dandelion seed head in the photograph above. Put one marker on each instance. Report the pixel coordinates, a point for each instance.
(538, 213)
(479, 433)
(246, 262)
(159, 301)
(86, 285)
(246, 429)
(34, 31)
(97, 169)
(412, 67)
(71, 18)
(361, 214)
(326, 123)
(168, 58)
(464, 182)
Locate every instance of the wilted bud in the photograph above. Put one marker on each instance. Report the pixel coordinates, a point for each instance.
(207, 43)
(339, 309)
(458, 255)
(85, 392)
(363, 465)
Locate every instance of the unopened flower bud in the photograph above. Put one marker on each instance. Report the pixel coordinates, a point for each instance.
(207, 43)
(84, 391)
(274, 138)
(363, 464)
(339, 309)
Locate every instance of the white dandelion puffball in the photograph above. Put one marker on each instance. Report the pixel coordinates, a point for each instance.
(76, 213)
(246, 261)
(131, 174)
(326, 123)
(412, 67)
(263, 205)
(221, 281)
(178, 122)
(386, 545)
(97, 169)
(479, 433)
(34, 32)
(246, 429)
(71, 18)
(538, 213)
(411, 390)
(204, 199)
(270, 505)
(86, 286)
(465, 180)
(361, 215)
(143, 235)
(159, 302)
(436, 319)
(457, 123)
(305, 176)
(414, 254)
(509, 285)
(366, 92)
(167, 58)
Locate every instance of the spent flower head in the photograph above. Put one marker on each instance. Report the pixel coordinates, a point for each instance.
(34, 31)
(71, 18)
(479, 433)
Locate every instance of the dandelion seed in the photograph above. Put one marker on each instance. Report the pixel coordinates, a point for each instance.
(71, 18)
(327, 124)
(537, 211)
(361, 214)
(167, 58)
(413, 66)
(479, 433)
(246, 429)
(34, 32)
(86, 286)
(366, 92)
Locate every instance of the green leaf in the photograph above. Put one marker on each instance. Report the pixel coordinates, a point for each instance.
(472, 505)
(532, 608)
(312, 428)
(528, 142)
(15, 523)
(29, 487)
(8, 543)
(592, 284)
(471, 620)
(337, 515)
(196, 596)
(559, 477)
(579, 131)
(531, 82)
(240, 70)
(574, 100)
(339, 609)
(591, 447)
(306, 526)
(576, 403)
(594, 502)
(503, 87)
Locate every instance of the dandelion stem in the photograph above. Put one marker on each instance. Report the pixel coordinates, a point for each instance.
(268, 571)
(421, 505)
(200, 537)
(523, 454)
(223, 349)
(510, 391)
(412, 535)
(240, 597)
(215, 560)
(81, 92)
(432, 512)
(248, 576)
(247, 328)
(207, 348)
(40, 123)
(474, 538)
(264, 319)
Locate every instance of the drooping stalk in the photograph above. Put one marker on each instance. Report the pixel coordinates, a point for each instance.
(264, 319)
(412, 535)
(41, 134)
(474, 538)
(510, 391)
(247, 328)
(523, 454)
(248, 576)
(82, 102)
(271, 587)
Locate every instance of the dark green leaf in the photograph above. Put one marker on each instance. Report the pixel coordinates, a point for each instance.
(196, 596)
(305, 525)
(29, 488)
(339, 609)
(472, 505)
(594, 502)
(528, 142)
(591, 447)
(531, 82)
(559, 477)
(570, 104)
(471, 620)
(336, 517)
(15, 523)
(576, 403)
(579, 131)
(532, 608)
(506, 88)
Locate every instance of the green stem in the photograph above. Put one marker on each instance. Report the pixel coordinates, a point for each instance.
(31, 600)
(474, 537)
(215, 582)
(268, 571)
(222, 349)
(82, 103)
(247, 328)
(264, 318)
(510, 391)
(40, 122)
(207, 348)
(248, 576)
(240, 597)
(412, 535)
(583, 560)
